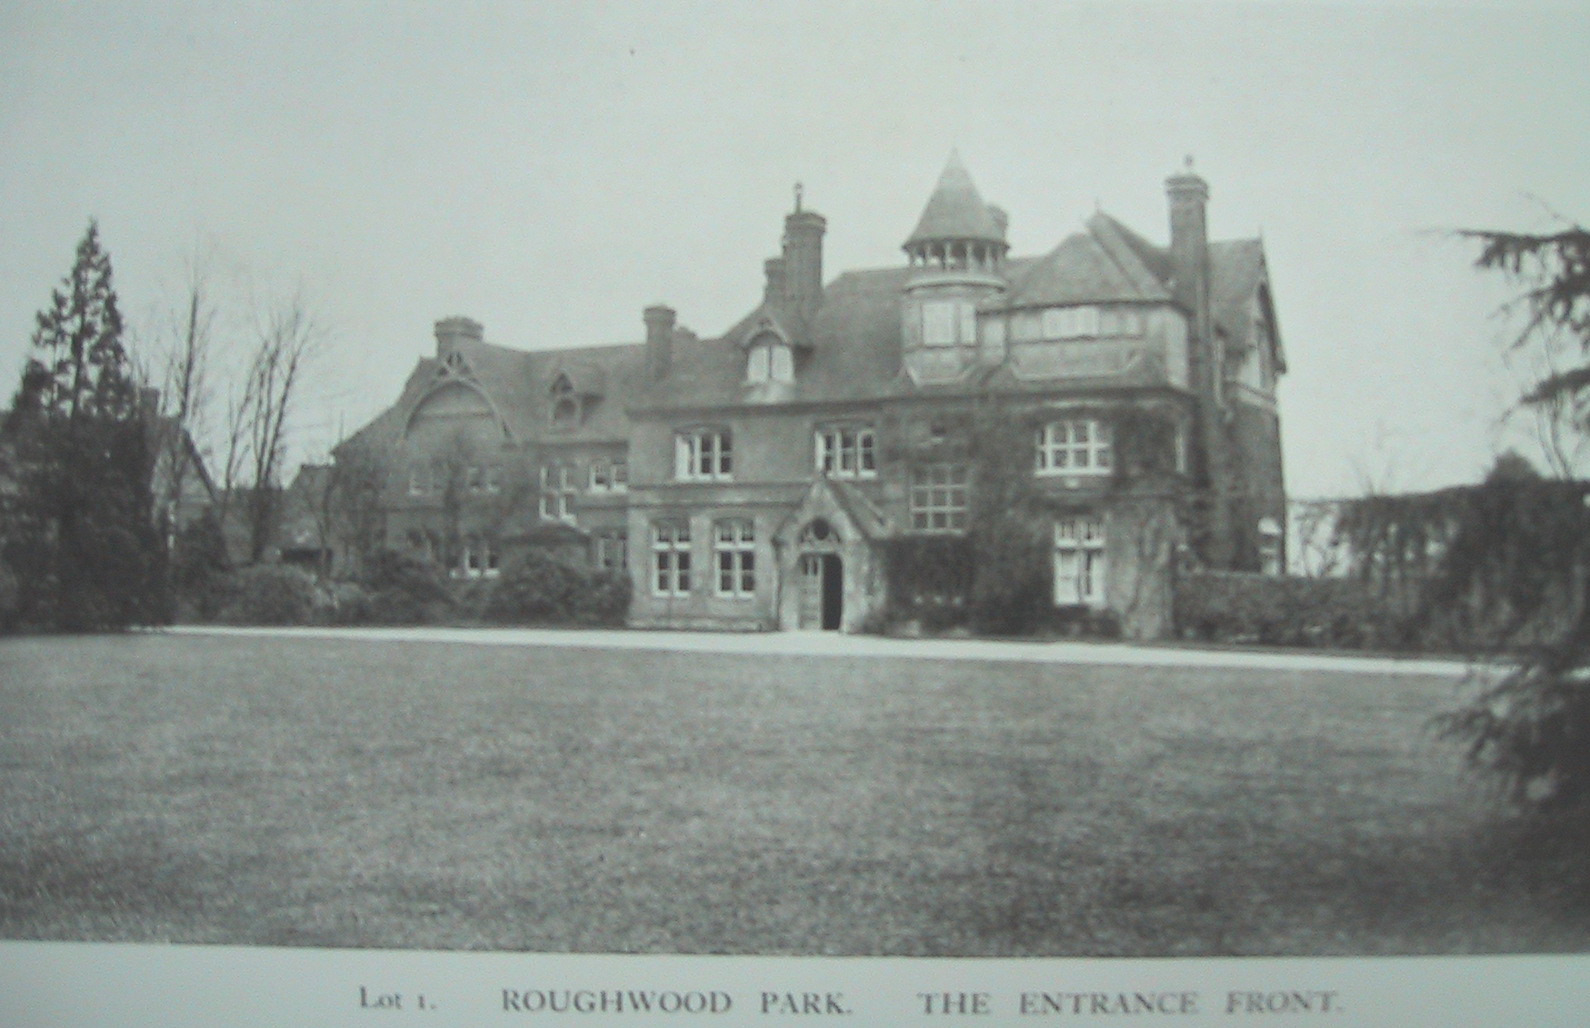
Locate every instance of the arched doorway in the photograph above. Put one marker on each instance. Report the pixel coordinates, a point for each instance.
(822, 581)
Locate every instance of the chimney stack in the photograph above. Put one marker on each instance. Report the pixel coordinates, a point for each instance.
(1188, 195)
(659, 320)
(773, 295)
(1189, 242)
(451, 331)
(803, 262)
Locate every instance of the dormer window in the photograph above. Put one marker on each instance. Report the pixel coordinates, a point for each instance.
(769, 359)
(565, 403)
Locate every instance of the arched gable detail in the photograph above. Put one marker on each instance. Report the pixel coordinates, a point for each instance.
(457, 383)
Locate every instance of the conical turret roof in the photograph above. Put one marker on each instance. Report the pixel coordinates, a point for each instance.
(955, 210)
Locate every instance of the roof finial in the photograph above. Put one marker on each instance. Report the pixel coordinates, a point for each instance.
(1188, 162)
(798, 198)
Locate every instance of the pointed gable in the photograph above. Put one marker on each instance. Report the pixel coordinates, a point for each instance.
(842, 505)
(1239, 287)
(956, 210)
(1101, 264)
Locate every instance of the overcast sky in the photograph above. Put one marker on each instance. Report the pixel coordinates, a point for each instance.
(551, 169)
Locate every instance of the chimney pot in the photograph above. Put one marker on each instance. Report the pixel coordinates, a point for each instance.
(450, 331)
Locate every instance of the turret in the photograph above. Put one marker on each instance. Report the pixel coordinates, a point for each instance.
(956, 255)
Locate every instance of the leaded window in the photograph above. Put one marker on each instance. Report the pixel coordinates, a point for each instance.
(703, 454)
(670, 545)
(1076, 446)
(939, 497)
(847, 451)
(734, 543)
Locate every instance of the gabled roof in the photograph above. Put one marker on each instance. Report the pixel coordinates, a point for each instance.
(1239, 279)
(956, 210)
(839, 501)
(851, 348)
(766, 318)
(518, 386)
(1105, 263)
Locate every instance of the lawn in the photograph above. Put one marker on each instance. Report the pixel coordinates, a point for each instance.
(406, 794)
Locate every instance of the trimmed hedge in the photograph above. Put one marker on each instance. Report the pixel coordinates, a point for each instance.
(1242, 607)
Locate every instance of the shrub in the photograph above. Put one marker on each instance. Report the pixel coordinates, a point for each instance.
(929, 581)
(268, 594)
(403, 590)
(342, 603)
(1012, 592)
(539, 589)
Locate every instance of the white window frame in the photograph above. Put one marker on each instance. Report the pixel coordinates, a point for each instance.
(704, 455)
(1080, 562)
(557, 493)
(1074, 446)
(1272, 556)
(939, 497)
(846, 451)
(670, 545)
(734, 544)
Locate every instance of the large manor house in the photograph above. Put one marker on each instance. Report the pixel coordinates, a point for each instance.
(756, 478)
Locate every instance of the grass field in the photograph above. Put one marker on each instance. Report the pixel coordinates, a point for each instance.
(390, 794)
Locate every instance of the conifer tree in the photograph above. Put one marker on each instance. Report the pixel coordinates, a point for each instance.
(1524, 544)
(82, 538)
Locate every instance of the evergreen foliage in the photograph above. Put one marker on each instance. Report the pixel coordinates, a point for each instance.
(1523, 549)
(199, 566)
(81, 534)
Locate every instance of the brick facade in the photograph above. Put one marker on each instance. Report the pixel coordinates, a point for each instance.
(748, 480)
